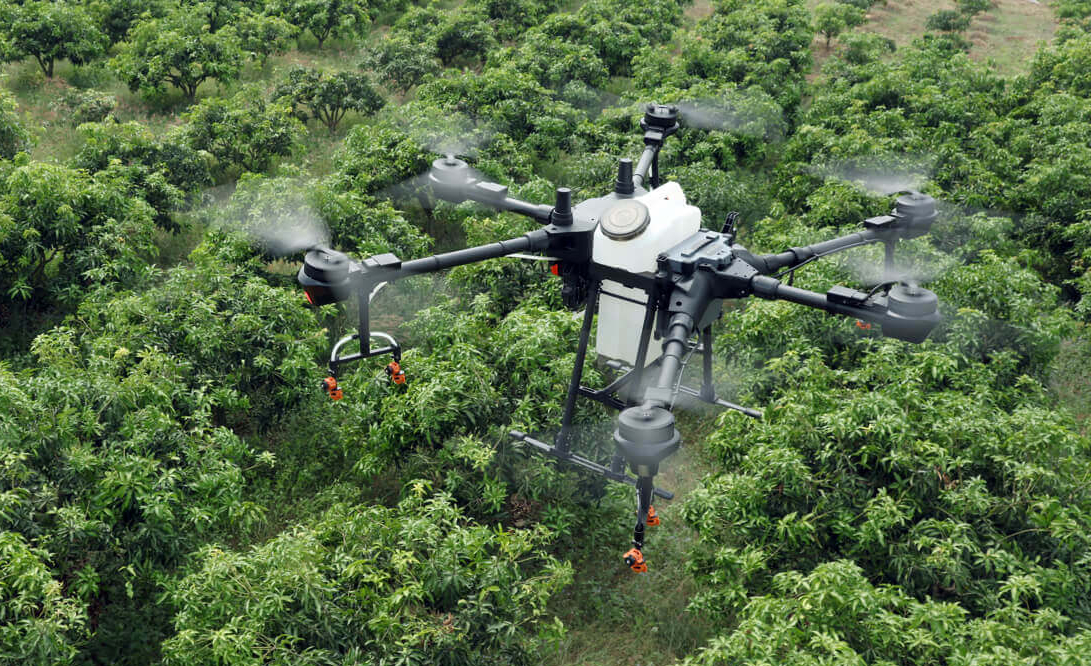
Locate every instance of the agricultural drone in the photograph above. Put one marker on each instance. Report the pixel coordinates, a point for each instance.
(644, 261)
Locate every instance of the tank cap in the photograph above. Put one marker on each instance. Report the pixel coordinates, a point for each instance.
(625, 220)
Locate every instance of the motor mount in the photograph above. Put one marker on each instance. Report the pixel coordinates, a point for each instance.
(325, 276)
(646, 436)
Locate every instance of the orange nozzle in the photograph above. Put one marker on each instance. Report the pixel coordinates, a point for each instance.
(395, 372)
(331, 387)
(635, 559)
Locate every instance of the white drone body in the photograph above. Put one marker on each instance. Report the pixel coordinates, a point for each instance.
(630, 237)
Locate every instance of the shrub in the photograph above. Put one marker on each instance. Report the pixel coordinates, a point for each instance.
(947, 20)
(87, 106)
(244, 131)
(327, 97)
(369, 583)
(179, 50)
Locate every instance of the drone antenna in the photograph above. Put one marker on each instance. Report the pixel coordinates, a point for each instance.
(623, 186)
(561, 215)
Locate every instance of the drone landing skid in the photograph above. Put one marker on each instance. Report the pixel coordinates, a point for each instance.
(580, 461)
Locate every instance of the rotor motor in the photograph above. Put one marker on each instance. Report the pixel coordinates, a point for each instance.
(646, 436)
(325, 276)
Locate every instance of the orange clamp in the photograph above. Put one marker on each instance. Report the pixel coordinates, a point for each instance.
(331, 387)
(653, 519)
(863, 325)
(635, 559)
(395, 372)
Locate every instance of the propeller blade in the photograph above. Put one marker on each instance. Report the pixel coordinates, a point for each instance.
(280, 224)
(447, 171)
(881, 175)
(750, 112)
(443, 132)
(287, 236)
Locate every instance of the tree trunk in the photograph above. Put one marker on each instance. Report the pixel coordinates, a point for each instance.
(47, 66)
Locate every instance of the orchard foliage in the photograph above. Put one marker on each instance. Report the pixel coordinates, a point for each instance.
(175, 489)
(163, 170)
(262, 35)
(179, 50)
(323, 18)
(13, 136)
(327, 96)
(245, 131)
(62, 232)
(833, 18)
(49, 31)
(408, 584)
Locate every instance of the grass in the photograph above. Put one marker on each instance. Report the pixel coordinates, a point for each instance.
(1007, 35)
(1068, 379)
(902, 20)
(1010, 34)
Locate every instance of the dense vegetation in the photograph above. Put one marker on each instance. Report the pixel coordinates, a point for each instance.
(174, 487)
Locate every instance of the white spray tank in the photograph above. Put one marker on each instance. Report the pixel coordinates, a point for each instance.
(631, 234)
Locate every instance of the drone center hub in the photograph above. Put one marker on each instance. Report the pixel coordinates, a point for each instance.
(646, 436)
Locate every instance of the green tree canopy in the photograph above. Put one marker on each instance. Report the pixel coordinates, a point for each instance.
(262, 35)
(245, 131)
(179, 50)
(324, 18)
(369, 583)
(832, 18)
(163, 170)
(62, 231)
(328, 96)
(49, 31)
(401, 63)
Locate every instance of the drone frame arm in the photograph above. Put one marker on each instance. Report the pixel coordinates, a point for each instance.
(496, 196)
(373, 271)
(648, 160)
(795, 257)
(909, 317)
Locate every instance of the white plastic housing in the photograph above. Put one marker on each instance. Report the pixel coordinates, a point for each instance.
(620, 322)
